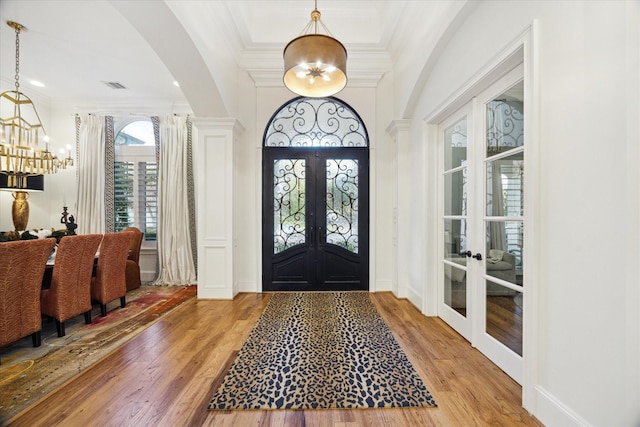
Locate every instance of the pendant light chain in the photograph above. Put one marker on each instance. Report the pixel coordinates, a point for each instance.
(17, 27)
(315, 17)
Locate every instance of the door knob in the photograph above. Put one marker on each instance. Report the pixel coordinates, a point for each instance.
(477, 256)
(467, 254)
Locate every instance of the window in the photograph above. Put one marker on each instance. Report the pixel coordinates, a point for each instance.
(136, 179)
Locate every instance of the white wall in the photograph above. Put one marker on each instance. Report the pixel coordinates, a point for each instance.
(248, 201)
(383, 192)
(587, 218)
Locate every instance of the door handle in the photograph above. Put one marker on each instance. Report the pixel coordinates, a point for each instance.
(311, 236)
(477, 256)
(467, 254)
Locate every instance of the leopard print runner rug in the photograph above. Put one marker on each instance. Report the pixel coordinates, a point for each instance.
(321, 350)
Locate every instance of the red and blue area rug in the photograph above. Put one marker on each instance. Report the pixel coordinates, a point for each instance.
(321, 350)
(27, 374)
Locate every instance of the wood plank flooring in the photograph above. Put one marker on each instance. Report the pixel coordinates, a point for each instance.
(165, 376)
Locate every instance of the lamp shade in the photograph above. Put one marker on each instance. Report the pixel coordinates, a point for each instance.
(315, 65)
(21, 183)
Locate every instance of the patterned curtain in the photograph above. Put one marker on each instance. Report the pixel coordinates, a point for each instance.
(175, 221)
(191, 195)
(495, 201)
(109, 181)
(94, 134)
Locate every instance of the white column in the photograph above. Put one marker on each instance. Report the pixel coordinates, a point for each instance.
(399, 131)
(215, 183)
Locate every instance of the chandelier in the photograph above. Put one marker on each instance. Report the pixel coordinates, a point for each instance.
(315, 65)
(24, 144)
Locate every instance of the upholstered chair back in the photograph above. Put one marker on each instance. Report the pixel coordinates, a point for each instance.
(110, 280)
(133, 261)
(22, 265)
(70, 291)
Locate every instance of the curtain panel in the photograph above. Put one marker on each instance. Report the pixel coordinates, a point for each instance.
(175, 256)
(93, 133)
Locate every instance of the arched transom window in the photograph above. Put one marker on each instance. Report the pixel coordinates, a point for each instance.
(316, 122)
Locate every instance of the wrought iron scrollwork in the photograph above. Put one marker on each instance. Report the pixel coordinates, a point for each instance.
(505, 121)
(342, 203)
(316, 122)
(289, 205)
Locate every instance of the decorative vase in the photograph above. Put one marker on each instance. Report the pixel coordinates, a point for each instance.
(20, 210)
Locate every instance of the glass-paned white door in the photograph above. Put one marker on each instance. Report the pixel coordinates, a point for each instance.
(483, 222)
(455, 177)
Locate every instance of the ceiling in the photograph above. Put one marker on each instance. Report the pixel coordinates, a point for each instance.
(76, 47)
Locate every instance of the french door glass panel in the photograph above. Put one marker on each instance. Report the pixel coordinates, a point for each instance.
(454, 219)
(504, 223)
(289, 205)
(505, 186)
(342, 203)
(455, 187)
(504, 322)
(505, 121)
(455, 273)
(504, 257)
(455, 149)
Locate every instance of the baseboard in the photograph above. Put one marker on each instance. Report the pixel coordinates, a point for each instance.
(415, 298)
(215, 293)
(552, 412)
(383, 286)
(147, 276)
(248, 286)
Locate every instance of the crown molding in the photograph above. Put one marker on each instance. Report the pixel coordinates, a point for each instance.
(365, 67)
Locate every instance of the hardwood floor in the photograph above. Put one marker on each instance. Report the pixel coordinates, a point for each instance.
(165, 376)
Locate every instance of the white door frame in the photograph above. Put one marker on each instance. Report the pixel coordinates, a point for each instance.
(523, 49)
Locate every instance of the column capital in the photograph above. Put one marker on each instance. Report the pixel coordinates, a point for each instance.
(212, 124)
(400, 125)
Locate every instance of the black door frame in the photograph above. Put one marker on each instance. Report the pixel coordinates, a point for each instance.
(315, 265)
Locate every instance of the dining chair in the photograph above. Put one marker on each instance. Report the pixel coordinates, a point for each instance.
(133, 261)
(109, 282)
(69, 294)
(22, 265)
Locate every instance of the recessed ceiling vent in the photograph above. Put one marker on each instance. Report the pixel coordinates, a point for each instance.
(114, 85)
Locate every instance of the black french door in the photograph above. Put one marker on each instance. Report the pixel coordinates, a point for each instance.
(315, 219)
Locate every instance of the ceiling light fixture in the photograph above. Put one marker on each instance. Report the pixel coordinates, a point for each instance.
(22, 136)
(315, 65)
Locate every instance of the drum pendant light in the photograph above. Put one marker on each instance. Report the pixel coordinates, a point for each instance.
(315, 65)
